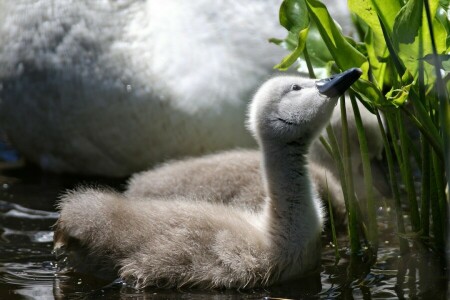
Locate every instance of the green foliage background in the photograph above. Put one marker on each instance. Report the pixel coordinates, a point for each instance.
(403, 52)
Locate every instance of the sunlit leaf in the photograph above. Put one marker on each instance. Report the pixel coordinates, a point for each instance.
(378, 63)
(294, 17)
(398, 64)
(411, 52)
(344, 54)
(371, 10)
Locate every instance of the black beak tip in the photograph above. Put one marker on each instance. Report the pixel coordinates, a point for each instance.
(336, 85)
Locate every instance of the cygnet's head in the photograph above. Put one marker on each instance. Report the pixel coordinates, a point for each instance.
(291, 108)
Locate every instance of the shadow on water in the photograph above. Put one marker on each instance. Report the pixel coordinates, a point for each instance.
(28, 269)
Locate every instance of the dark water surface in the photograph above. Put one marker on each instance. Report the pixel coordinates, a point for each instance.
(28, 269)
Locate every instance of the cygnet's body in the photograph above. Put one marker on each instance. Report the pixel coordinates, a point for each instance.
(231, 178)
(114, 87)
(210, 245)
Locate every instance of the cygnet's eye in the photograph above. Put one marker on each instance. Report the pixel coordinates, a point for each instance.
(295, 87)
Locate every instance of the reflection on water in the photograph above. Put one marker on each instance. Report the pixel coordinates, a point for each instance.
(27, 267)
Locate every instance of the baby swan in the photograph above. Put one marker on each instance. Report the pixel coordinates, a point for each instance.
(209, 245)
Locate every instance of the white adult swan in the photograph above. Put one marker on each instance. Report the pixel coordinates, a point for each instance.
(113, 87)
(208, 245)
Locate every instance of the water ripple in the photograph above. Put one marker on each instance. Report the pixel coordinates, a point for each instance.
(8, 209)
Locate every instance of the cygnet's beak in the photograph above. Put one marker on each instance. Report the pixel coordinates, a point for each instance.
(336, 85)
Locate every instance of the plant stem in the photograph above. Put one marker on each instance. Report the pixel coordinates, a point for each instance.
(444, 116)
(334, 152)
(407, 175)
(444, 101)
(368, 182)
(333, 229)
(425, 194)
(394, 186)
(346, 155)
(308, 63)
(436, 212)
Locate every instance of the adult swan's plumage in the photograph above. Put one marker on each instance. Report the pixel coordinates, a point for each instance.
(183, 242)
(113, 87)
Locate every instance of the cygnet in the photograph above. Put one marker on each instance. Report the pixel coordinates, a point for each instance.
(209, 245)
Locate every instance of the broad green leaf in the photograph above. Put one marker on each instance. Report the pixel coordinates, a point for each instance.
(378, 64)
(411, 53)
(398, 64)
(371, 10)
(318, 51)
(344, 54)
(319, 56)
(365, 11)
(294, 15)
(408, 22)
(387, 11)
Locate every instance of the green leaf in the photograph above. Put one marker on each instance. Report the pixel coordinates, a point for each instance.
(398, 64)
(294, 55)
(318, 51)
(371, 10)
(408, 21)
(378, 64)
(294, 15)
(344, 54)
(411, 52)
(276, 41)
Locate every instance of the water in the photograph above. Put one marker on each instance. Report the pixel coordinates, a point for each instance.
(28, 269)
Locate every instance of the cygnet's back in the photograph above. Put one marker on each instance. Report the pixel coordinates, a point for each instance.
(231, 178)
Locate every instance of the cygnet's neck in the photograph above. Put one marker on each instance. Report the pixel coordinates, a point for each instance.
(291, 204)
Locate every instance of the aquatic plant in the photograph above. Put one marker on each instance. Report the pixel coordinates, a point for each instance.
(403, 51)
